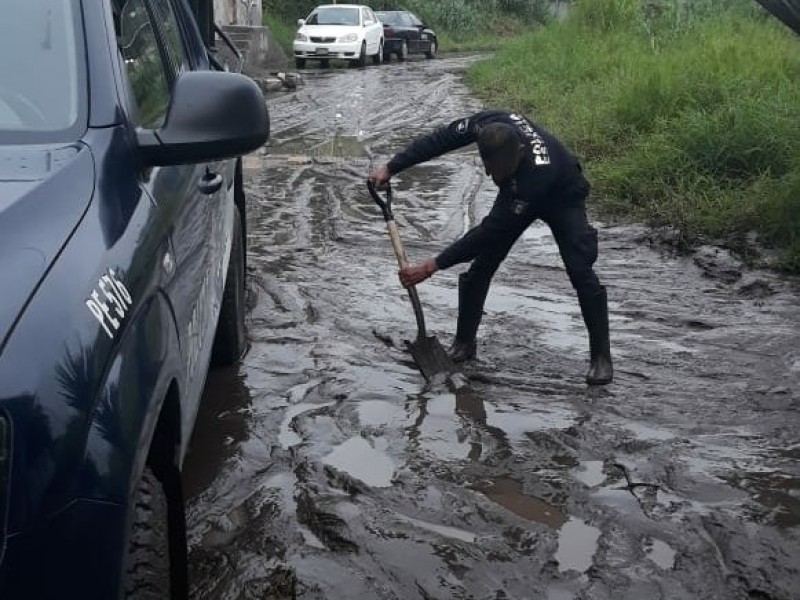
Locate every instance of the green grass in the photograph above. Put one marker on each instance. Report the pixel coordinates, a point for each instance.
(692, 123)
(282, 31)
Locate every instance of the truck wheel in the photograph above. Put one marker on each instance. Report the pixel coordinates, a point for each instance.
(230, 338)
(147, 568)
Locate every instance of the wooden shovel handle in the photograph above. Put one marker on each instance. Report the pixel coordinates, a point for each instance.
(399, 252)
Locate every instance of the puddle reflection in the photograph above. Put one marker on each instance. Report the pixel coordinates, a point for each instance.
(660, 553)
(358, 458)
(577, 543)
(221, 425)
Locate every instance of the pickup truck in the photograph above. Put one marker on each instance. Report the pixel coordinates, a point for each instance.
(122, 270)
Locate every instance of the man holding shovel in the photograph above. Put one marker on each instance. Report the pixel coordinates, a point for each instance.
(538, 178)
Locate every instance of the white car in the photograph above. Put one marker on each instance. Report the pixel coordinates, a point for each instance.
(344, 31)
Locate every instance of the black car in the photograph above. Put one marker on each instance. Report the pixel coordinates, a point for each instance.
(405, 34)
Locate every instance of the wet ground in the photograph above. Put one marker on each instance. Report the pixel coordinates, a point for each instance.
(325, 468)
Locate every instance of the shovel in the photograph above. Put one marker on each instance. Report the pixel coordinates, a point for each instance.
(426, 350)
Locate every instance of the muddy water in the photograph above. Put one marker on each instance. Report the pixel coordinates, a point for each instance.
(324, 468)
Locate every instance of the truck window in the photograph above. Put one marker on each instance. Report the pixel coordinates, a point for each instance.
(165, 16)
(146, 73)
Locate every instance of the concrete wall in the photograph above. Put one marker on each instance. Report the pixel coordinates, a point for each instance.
(238, 12)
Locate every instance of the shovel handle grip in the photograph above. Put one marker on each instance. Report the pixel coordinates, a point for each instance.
(385, 205)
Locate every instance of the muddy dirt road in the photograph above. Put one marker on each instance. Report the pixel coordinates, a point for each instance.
(324, 468)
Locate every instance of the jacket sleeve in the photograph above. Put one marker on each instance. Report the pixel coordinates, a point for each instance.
(456, 135)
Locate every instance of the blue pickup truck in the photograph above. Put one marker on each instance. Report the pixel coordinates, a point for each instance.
(122, 278)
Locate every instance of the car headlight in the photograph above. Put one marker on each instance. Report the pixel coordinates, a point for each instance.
(350, 37)
(300, 37)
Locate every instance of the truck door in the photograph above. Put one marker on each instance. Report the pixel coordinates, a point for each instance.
(154, 54)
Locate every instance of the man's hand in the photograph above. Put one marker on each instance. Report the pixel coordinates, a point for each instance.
(414, 274)
(381, 175)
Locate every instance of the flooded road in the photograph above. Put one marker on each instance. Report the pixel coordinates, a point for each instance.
(324, 468)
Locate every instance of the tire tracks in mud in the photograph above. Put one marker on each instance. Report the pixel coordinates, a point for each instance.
(326, 469)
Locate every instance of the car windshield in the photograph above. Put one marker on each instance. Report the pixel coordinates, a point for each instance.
(332, 15)
(40, 75)
(391, 18)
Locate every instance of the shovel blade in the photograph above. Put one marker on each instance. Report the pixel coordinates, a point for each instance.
(430, 357)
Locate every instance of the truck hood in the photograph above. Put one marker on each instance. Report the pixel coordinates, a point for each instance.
(44, 192)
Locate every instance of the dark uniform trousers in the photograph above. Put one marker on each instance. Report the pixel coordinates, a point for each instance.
(577, 244)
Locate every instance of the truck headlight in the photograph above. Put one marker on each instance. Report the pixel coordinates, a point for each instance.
(350, 37)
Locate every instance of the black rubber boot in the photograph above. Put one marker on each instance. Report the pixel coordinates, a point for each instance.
(471, 296)
(460, 351)
(595, 314)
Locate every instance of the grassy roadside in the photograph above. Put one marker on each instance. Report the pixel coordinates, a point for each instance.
(282, 30)
(692, 123)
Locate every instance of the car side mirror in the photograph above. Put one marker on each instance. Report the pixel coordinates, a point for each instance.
(214, 115)
(301, 22)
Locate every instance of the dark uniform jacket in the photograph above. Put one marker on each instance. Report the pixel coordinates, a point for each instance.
(548, 177)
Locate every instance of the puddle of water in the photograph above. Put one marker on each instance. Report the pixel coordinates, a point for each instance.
(374, 413)
(590, 472)
(288, 438)
(436, 430)
(577, 543)
(339, 146)
(567, 590)
(444, 530)
(660, 553)
(359, 459)
(517, 425)
(508, 494)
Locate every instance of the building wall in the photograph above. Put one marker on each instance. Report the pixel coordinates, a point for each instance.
(238, 12)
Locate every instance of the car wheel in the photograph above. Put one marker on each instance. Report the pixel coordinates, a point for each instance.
(403, 53)
(231, 338)
(432, 52)
(147, 568)
(300, 63)
(378, 57)
(362, 57)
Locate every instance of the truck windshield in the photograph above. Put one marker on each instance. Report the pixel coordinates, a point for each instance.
(39, 74)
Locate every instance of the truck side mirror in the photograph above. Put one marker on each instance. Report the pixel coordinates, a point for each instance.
(214, 115)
